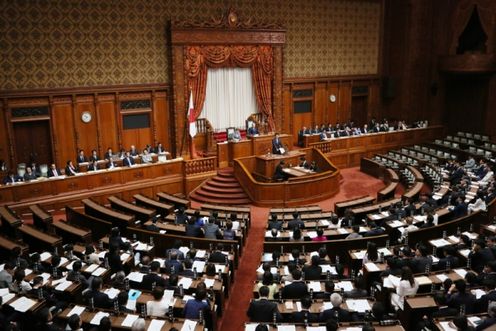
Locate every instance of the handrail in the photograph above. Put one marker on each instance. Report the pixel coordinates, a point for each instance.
(198, 166)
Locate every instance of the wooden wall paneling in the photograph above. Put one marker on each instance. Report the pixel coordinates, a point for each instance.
(332, 107)
(374, 100)
(180, 101)
(118, 120)
(320, 116)
(107, 123)
(288, 126)
(490, 128)
(162, 121)
(5, 144)
(86, 133)
(344, 103)
(63, 137)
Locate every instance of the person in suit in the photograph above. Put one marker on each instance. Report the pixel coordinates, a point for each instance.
(81, 158)
(421, 260)
(128, 160)
(480, 255)
(157, 307)
(100, 299)
(274, 223)
(305, 316)
(46, 320)
(323, 136)
(29, 175)
(316, 130)
(193, 229)
(153, 277)
(279, 174)
(449, 258)
(461, 208)
(6, 275)
(159, 149)
(303, 163)
(153, 227)
(133, 151)
(491, 320)
(253, 131)
(173, 265)
(109, 154)
(94, 156)
(263, 310)
(297, 289)
(70, 169)
(211, 230)
(116, 240)
(9, 179)
(75, 274)
(53, 171)
(93, 166)
(457, 295)
(365, 129)
(296, 222)
(313, 166)
(217, 256)
(277, 147)
(181, 217)
(146, 157)
(313, 271)
(187, 269)
(236, 136)
(111, 164)
(176, 245)
(336, 312)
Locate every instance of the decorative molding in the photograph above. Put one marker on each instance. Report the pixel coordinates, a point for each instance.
(30, 111)
(136, 104)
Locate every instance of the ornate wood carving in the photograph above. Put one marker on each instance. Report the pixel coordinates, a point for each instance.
(468, 63)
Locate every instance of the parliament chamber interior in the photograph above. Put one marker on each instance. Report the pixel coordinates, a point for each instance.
(248, 165)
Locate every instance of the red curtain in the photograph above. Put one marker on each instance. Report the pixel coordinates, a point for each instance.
(259, 58)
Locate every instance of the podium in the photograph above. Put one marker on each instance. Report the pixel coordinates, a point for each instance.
(266, 164)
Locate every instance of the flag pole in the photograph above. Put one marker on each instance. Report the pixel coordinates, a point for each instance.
(192, 148)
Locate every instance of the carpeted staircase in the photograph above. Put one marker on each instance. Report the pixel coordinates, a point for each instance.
(221, 189)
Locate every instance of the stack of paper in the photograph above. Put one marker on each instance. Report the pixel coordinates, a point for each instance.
(98, 316)
(78, 310)
(22, 304)
(314, 285)
(358, 305)
(185, 282)
(371, 266)
(129, 320)
(200, 253)
(63, 285)
(209, 282)
(99, 271)
(461, 272)
(330, 268)
(112, 293)
(6, 296)
(346, 285)
(91, 268)
(135, 276)
(156, 325)
(188, 325)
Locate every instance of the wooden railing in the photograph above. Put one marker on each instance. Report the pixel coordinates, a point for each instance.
(323, 146)
(198, 166)
(205, 135)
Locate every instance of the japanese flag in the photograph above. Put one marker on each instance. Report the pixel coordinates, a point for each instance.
(191, 117)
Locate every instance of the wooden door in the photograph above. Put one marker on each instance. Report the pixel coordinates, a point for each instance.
(32, 142)
(359, 110)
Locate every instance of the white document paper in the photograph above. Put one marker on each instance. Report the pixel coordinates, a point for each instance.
(63, 286)
(135, 276)
(440, 243)
(209, 282)
(63, 260)
(346, 285)
(4, 291)
(22, 304)
(98, 316)
(112, 293)
(478, 293)
(156, 325)
(131, 305)
(125, 256)
(447, 326)
(312, 234)
(129, 320)
(359, 305)
(330, 268)
(45, 256)
(315, 286)
(58, 281)
(442, 277)
(7, 297)
(372, 267)
(168, 297)
(91, 268)
(288, 305)
(385, 251)
(342, 231)
(286, 328)
(360, 254)
(267, 257)
(188, 325)
(186, 282)
(184, 250)
(200, 253)
(200, 265)
(298, 305)
(423, 280)
(220, 267)
(461, 272)
(316, 328)
(78, 310)
(99, 271)
(474, 320)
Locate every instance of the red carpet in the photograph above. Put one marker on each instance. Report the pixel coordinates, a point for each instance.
(354, 184)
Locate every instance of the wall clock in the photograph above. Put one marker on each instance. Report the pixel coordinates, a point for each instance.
(332, 97)
(86, 117)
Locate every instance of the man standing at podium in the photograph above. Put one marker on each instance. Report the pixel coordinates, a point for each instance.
(277, 147)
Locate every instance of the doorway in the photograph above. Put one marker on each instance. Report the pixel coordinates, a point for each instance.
(33, 142)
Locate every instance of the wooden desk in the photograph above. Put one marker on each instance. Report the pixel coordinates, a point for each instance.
(263, 143)
(118, 219)
(139, 213)
(7, 245)
(266, 164)
(71, 233)
(161, 208)
(9, 222)
(169, 198)
(41, 218)
(99, 228)
(340, 207)
(39, 240)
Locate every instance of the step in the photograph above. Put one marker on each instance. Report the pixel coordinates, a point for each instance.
(237, 202)
(222, 190)
(225, 179)
(222, 184)
(225, 174)
(215, 195)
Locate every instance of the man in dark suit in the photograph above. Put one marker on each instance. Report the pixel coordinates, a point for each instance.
(153, 277)
(29, 175)
(263, 310)
(217, 256)
(274, 223)
(93, 166)
(304, 316)
(109, 154)
(133, 151)
(94, 156)
(173, 265)
(296, 222)
(53, 171)
(277, 145)
(81, 158)
(480, 255)
(421, 260)
(253, 131)
(279, 174)
(336, 312)
(100, 299)
(461, 297)
(314, 270)
(128, 160)
(449, 258)
(491, 320)
(159, 149)
(303, 162)
(297, 289)
(70, 169)
(9, 179)
(111, 164)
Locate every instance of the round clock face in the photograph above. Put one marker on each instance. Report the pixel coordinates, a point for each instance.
(332, 97)
(86, 117)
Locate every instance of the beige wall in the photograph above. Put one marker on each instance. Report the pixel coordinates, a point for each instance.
(68, 43)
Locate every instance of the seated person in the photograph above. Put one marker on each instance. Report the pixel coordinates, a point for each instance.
(277, 147)
(316, 130)
(236, 136)
(146, 157)
(263, 310)
(81, 158)
(336, 312)
(159, 149)
(109, 154)
(279, 174)
(70, 169)
(304, 315)
(9, 179)
(111, 164)
(93, 166)
(199, 303)
(323, 136)
(128, 160)
(30, 174)
(53, 171)
(313, 166)
(133, 151)
(253, 131)
(157, 307)
(303, 163)
(100, 299)
(94, 156)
